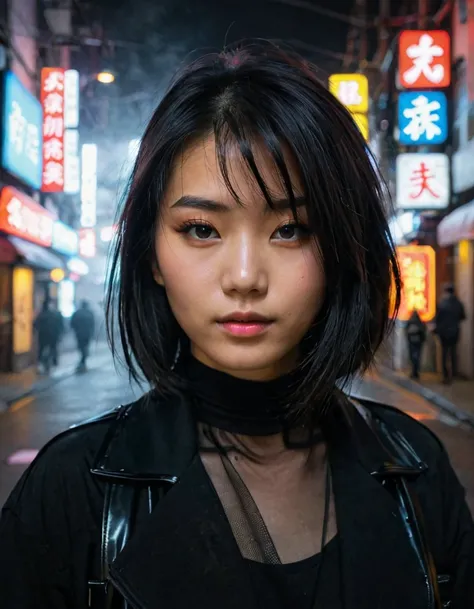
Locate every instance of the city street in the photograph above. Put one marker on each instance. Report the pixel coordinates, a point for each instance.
(33, 420)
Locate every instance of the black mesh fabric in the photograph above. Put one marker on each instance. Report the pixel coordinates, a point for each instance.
(245, 519)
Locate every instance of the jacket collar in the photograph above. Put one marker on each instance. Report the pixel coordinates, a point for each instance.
(184, 551)
(150, 440)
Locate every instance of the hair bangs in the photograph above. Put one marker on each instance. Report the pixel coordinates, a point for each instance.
(256, 148)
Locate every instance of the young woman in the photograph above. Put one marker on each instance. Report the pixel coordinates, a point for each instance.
(252, 274)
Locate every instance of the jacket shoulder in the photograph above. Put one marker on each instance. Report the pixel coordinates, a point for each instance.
(65, 462)
(423, 440)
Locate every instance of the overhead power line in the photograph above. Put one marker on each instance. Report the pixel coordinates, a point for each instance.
(315, 8)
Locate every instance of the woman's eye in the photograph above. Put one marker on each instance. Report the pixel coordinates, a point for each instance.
(202, 232)
(289, 232)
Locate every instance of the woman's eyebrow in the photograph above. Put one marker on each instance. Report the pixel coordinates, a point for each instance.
(202, 203)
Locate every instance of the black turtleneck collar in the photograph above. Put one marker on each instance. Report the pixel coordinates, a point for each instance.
(257, 408)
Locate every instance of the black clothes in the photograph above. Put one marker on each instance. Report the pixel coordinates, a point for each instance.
(83, 324)
(415, 331)
(184, 553)
(291, 584)
(50, 326)
(237, 405)
(449, 315)
(414, 351)
(449, 359)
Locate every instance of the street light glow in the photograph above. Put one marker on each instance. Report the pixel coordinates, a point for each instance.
(106, 77)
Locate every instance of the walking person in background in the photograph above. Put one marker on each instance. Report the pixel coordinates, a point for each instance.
(83, 323)
(49, 325)
(449, 315)
(57, 331)
(416, 335)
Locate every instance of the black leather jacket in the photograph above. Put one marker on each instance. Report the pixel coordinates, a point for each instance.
(180, 551)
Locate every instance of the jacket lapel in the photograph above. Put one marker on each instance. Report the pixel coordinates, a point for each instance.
(380, 570)
(184, 553)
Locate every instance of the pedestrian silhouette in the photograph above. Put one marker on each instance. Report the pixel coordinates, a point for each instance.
(415, 331)
(449, 315)
(49, 325)
(83, 323)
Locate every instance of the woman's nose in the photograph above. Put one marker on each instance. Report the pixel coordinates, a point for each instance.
(244, 268)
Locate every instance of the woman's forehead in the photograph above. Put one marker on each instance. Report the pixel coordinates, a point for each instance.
(197, 171)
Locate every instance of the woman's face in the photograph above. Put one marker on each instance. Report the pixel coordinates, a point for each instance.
(244, 282)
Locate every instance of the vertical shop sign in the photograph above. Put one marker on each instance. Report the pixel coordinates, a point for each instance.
(72, 177)
(72, 164)
(71, 99)
(424, 59)
(352, 90)
(423, 118)
(22, 310)
(418, 269)
(52, 100)
(88, 185)
(422, 180)
(21, 133)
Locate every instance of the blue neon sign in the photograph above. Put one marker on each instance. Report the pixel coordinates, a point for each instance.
(423, 118)
(22, 140)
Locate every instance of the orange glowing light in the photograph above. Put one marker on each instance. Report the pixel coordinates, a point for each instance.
(418, 271)
(57, 275)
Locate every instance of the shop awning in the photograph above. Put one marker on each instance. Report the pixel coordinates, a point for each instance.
(457, 225)
(35, 255)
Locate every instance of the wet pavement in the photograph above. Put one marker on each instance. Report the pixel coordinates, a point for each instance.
(31, 421)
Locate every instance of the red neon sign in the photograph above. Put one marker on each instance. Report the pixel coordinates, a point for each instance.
(52, 100)
(23, 217)
(424, 59)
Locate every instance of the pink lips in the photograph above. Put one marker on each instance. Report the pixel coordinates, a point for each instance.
(245, 328)
(244, 323)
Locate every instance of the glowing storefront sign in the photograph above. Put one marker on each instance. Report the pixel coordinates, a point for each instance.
(424, 59)
(23, 284)
(23, 217)
(77, 266)
(423, 117)
(66, 290)
(89, 185)
(107, 233)
(418, 270)
(71, 99)
(422, 181)
(72, 164)
(352, 90)
(87, 242)
(65, 239)
(21, 140)
(52, 100)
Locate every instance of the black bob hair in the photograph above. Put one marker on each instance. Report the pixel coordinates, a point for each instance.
(258, 95)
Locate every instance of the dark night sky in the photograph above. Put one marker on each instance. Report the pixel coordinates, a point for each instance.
(167, 25)
(167, 31)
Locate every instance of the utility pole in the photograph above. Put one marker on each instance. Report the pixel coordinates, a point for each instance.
(423, 7)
